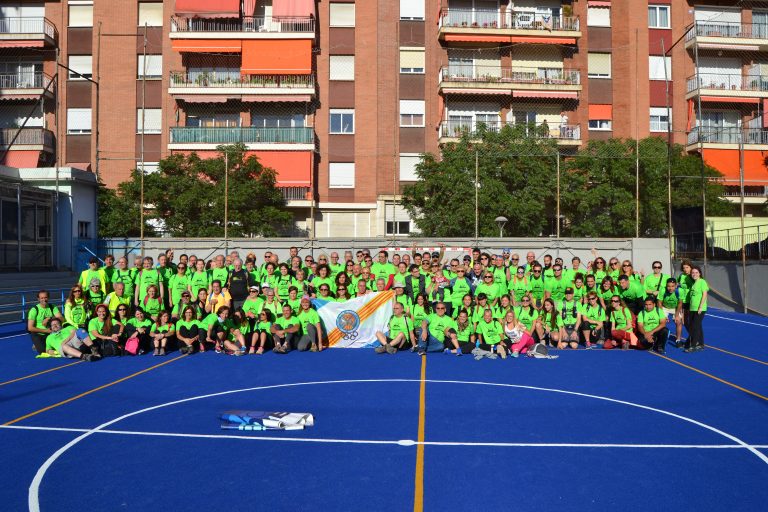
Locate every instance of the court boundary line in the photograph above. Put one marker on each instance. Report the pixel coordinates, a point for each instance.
(49, 370)
(394, 442)
(90, 391)
(737, 320)
(418, 489)
(737, 354)
(33, 494)
(714, 377)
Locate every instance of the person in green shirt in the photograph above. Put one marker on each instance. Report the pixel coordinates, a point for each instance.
(590, 285)
(95, 293)
(253, 303)
(178, 283)
(108, 270)
(147, 277)
(490, 333)
(323, 277)
(187, 329)
(549, 325)
(579, 291)
(383, 269)
(614, 269)
(101, 328)
(285, 331)
(697, 297)
(434, 331)
(555, 286)
(124, 275)
(262, 333)
(672, 304)
(200, 279)
(152, 304)
(606, 291)
(518, 286)
(620, 319)
(632, 293)
(598, 269)
(219, 270)
(311, 328)
(62, 341)
(684, 283)
(592, 320)
(570, 274)
(536, 286)
(465, 332)
(652, 326)
(500, 274)
(570, 314)
(399, 334)
(335, 266)
(293, 299)
(140, 325)
(401, 274)
(161, 331)
(502, 308)
(283, 282)
(184, 301)
(402, 298)
(460, 287)
(479, 310)
(527, 315)
(655, 282)
(165, 271)
(92, 272)
(240, 336)
(39, 318)
(489, 288)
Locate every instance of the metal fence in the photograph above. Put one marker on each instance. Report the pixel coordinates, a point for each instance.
(245, 24)
(247, 135)
(724, 245)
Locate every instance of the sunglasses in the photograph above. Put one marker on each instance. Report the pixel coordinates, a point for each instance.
(439, 308)
(525, 301)
(488, 277)
(460, 270)
(593, 298)
(122, 309)
(656, 268)
(616, 302)
(515, 259)
(614, 263)
(625, 266)
(185, 295)
(324, 289)
(77, 291)
(537, 271)
(341, 289)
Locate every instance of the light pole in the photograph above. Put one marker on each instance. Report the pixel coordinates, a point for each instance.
(501, 222)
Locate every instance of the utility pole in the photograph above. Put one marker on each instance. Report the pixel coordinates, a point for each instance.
(743, 246)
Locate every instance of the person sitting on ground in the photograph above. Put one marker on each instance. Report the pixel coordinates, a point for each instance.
(435, 329)
(652, 326)
(527, 315)
(592, 320)
(253, 304)
(219, 326)
(38, 320)
(187, 330)
(62, 341)
(286, 331)
(465, 332)
(162, 331)
(140, 326)
(621, 325)
(400, 332)
(262, 333)
(311, 327)
(571, 317)
(184, 301)
(101, 328)
(240, 336)
(491, 335)
(518, 340)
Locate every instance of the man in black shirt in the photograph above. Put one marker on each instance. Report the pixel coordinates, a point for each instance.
(238, 283)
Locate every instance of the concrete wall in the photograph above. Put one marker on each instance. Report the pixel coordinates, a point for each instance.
(726, 286)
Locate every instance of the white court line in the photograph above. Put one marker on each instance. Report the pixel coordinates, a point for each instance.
(13, 336)
(737, 320)
(33, 494)
(401, 442)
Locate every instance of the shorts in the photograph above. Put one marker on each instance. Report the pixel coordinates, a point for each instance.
(75, 343)
(670, 314)
(570, 330)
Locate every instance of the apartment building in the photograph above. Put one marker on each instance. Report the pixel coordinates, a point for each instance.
(340, 97)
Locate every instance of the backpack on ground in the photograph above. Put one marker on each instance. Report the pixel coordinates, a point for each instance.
(108, 348)
(132, 345)
(540, 351)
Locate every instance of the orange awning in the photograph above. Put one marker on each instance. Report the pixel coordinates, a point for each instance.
(23, 159)
(600, 112)
(277, 57)
(730, 99)
(209, 9)
(727, 162)
(543, 40)
(470, 38)
(207, 45)
(294, 168)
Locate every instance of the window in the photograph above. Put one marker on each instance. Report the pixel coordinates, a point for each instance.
(400, 227)
(600, 125)
(342, 67)
(599, 65)
(658, 16)
(152, 118)
(342, 121)
(342, 15)
(83, 229)
(81, 64)
(659, 68)
(598, 16)
(81, 15)
(78, 121)
(341, 175)
(408, 163)
(412, 60)
(411, 113)
(153, 66)
(411, 9)
(149, 167)
(659, 119)
(151, 14)
(600, 117)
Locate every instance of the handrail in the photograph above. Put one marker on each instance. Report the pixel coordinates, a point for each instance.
(727, 81)
(730, 29)
(729, 135)
(234, 79)
(509, 74)
(27, 136)
(24, 80)
(457, 127)
(28, 25)
(246, 134)
(265, 24)
(494, 18)
(23, 303)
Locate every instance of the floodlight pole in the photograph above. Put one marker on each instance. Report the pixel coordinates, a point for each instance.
(477, 196)
(743, 246)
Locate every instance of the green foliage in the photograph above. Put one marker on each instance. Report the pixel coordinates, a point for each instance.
(118, 215)
(187, 194)
(518, 177)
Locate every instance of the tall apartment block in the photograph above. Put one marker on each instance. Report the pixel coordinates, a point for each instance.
(341, 97)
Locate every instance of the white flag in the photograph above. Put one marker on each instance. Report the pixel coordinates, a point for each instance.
(353, 324)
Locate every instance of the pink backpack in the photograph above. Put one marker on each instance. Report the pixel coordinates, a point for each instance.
(132, 345)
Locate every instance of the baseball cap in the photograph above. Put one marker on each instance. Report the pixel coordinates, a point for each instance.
(568, 290)
(435, 254)
(398, 285)
(254, 288)
(95, 282)
(467, 257)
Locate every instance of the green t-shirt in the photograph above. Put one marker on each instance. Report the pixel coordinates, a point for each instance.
(199, 281)
(654, 283)
(526, 316)
(492, 291)
(151, 306)
(633, 292)
(569, 312)
(622, 319)
(399, 325)
(209, 320)
(283, 283)
(145, 279)
(222, 274)
(438, 325)
(284, 323)
(594, 313)
(546, 320)
(464, 335)
(76, 314)
(54, 340)
(187, 325)
(383, 270)
(178, 284)
(37, 314)
(127, 278)
(405, 301)
(650, 319)
(579, 292)
(264, 326)
(684, 283)
(307, 317)
(519, 287)
(490, 331)
(459, 288)
(162, 328)
(696, 294)
(138, 325)
(419, 315)
(295, 305)
(96, 325)
(500, 279)
(537, 287)
(670, 300)
(556, 288)
(253, 305)
(165, 274)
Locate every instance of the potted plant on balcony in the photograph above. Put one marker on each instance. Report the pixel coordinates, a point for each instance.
(202, 79)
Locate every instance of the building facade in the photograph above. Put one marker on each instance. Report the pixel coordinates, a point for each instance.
(340, 97)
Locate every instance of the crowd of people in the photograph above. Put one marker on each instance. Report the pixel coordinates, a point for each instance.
(495, 304)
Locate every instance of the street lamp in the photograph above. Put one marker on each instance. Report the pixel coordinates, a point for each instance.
(501, 221)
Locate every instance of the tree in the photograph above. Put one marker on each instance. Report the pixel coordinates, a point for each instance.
(187, 196)
(118, 215)
(515, 180)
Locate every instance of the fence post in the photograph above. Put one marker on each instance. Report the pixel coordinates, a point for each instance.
(759, 245)
(23, 307)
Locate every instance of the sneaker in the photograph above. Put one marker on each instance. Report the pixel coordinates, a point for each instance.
(689, 350)
(515, 354)
(381, 349)
(391, 349)
(276, 349)
(184, 349)
(698, 348)
(624, 345)
(156, 352)
(88, 357)
(589, 345)
(414, 348)
(458, 352)
(162, 352)
(313, 348)
(501, 351)
(218, 348)
(422, 352)
(446, 351)
(239, 353)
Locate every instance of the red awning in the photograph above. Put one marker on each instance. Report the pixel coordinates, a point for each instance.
(249, 7)
(730, 99)
(598, 3)
(293, 168)
(473, 38)
(23, 159)
(22, 44)
(277, 57)
(207, 45)
(298, 8)
(209, 8)
(273, 98)
(600, 112)
(727, 162)
(546, 94)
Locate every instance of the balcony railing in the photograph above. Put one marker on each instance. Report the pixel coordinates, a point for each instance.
(27, 26)
(495, 19)
(231, 79)
(244, 134)
(514, 75)
(247, 24)
(24, 80)
(712, 135)
(727, 82)
(732, 30)
(458, 127)
(294, 193)
(27, 137)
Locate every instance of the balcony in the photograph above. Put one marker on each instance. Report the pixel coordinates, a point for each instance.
(754, 138)
(296, 197)
(255, 27)
(520, 82)
(24, 86)
(27, 32)
(724, 86)
(728, 35)
(28, 139)
(564, 135)
(494, 26)
(282, 139)
(234, 85)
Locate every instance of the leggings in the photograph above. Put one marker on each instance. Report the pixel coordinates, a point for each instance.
(38, 340)
(523, 344)
(696, 330)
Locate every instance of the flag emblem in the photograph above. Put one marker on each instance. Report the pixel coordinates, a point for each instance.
(348, 321)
